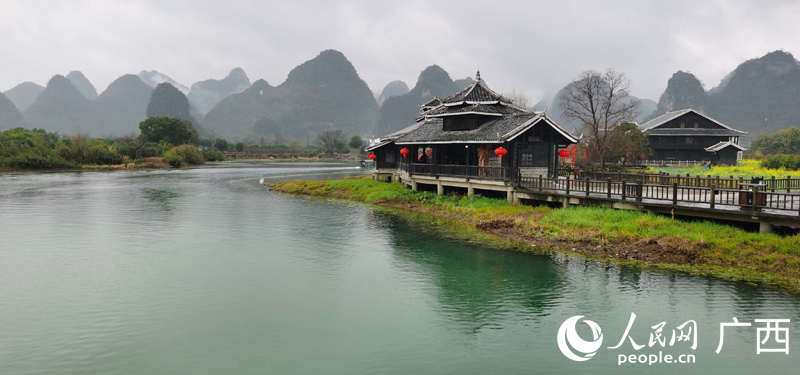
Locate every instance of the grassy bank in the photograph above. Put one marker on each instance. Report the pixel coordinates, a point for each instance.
(630, 237)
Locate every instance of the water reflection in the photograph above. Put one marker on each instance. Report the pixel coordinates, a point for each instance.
(478, 287)
(160, 197)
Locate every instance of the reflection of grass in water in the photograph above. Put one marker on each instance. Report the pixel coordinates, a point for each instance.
(161, 197)
(456, 231)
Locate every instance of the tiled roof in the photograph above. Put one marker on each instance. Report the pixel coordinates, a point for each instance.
(669, 116)
(484, 109)
(721, 145)
(494, 131)
(435, 102)
(389, 138)
(475, 99)
(475, 93)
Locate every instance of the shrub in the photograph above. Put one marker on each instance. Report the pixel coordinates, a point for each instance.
(212, 155)
(188, 154)
(102, 154)
(34, 161)
(174, 161)
(788, 162)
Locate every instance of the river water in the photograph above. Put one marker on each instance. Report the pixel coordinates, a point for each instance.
(205, 271)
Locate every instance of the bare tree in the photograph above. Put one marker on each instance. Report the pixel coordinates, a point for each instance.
(599, 101)
(519, 99)
(333, 141)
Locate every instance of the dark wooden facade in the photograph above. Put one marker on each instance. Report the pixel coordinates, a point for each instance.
(690, 135)
(458, 136)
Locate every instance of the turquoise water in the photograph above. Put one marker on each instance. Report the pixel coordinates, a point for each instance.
(205, 271)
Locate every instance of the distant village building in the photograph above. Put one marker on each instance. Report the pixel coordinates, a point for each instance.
(462, 136)
(690, 135)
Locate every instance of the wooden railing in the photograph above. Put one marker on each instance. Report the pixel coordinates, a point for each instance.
(669, 163)
(774, 184)
(668, 193)
(472, 171)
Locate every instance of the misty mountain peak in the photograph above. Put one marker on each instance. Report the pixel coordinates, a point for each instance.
(10, 116)
(683, 91)
(329, 67)
(82, 84)
(204, 95)
(238, 74)
(24, 94)
(59, 85)
(394, 88)
(153, 78)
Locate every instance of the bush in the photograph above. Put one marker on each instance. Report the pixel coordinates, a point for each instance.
(102, 154)
(174, 161)
(188, 154)
(34, 161)
(788, 162)
(212, 155)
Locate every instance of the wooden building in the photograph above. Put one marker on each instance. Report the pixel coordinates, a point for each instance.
(461, 135)
(690, 135)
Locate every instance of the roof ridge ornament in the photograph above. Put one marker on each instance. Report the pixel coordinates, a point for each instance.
(478, 76)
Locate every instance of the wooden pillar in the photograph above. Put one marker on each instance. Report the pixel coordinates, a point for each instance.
(712, 198)
(510, 195)
(470, 190)
(414, 185)
(439, 188)
(587, 186)
(639, 192)
(674, 193)
(764, 227)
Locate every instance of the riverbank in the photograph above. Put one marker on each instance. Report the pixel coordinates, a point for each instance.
(143, 164)
(629, 237)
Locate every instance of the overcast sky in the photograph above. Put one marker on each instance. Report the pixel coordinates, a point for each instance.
(534, 47)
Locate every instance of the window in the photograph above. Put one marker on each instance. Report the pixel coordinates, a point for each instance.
(696, 125)
(739, 156)
(683, 125)
(689, 140)
(526, 160)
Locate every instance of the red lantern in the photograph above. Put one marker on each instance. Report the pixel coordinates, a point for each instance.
(500, 152)
(404, 151)
(563, 153)
(372, 156)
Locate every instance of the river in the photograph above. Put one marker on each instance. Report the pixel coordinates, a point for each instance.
(205, 271)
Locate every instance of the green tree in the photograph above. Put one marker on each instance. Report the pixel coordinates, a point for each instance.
(785, 141)
(169, 129)
(626, 139)
(240, 146)
(357, 143)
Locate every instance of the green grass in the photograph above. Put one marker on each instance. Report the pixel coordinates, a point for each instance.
(710, 248)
